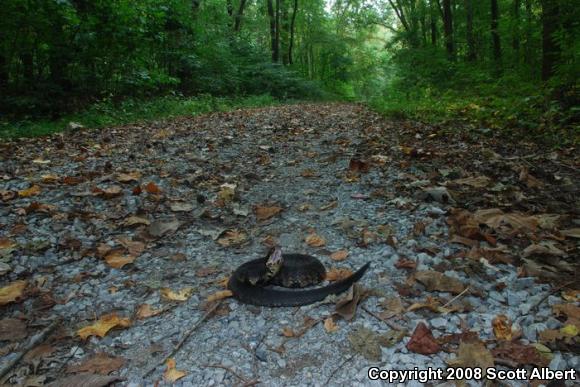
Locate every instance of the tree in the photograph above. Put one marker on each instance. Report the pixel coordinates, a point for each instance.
(495, 38)
(273, 32)
(550, 50)
(471, 53)
(448, 29)
(292, 26)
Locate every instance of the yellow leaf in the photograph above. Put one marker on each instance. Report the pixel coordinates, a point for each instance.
(32, 191)
(570, 330)
(339, 255)
(12, 292)
(49, 178)
(571, 295)
(118, 260)
(182, 295)
(171, 374)
(103, 325)
(315, 240)
(219, 295)
(330, 326)
(227, 192)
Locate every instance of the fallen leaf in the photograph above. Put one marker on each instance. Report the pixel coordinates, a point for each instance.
(392, 307)
(12, 292)
(219, 295)
(109, 192)
(308, 173)
(266, 212)
(206, 271)
(502, 327)
(521, 354)
(476, 182)
(545, 248)
(171, 374)
(101, 363)
(129, 177)
(330, 326)
(146, 311)
(473, 355)
(572, 233)
(315, 240)
(86, 380)
(358, 165)
(346, 307)
(405, 263)
(132, 221)
(181, 295)
(422, 341)
(12, 329)
(339, 255)
(335, 274)
(161, 228)
(435, 281)
(528, 179)
(366, 342)
(103, 325)
(232, 238)
(32, 191)
(227, 192)
(181, 207)
(117, 260)
(152, 188)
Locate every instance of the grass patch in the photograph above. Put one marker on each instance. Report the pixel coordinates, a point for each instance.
(107, 113)
(514, 110)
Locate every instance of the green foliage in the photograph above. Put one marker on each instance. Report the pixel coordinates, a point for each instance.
(109, 113)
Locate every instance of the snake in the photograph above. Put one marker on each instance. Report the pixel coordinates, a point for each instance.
(279, 280)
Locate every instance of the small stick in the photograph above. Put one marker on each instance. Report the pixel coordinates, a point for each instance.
(338, 368)
(35, 341)
(556, 290)
(184, 338)
(223, 367)
(456, 297)
(391, 324)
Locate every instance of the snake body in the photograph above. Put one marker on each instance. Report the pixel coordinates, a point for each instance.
(254, 282)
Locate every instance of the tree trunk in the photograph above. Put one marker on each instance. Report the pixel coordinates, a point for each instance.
(528, 51)
(471, 53)
(230, 8)
(448, 29)
(292, 24)
(433, 23)
(277, 30)
(496, 43)
(516, 30)
(550, 50)
(239, 15)
(273, 41)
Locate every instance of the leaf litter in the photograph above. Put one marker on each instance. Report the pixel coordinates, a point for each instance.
(93, 227)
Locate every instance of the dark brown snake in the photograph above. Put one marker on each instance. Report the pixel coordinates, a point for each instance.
(262, 281)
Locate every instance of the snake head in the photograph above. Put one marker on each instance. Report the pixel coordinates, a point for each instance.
(274, 261)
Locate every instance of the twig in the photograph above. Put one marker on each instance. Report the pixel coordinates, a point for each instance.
(556, 290)
(184, 338)
(35, 341)
(456, 297)
(338, 368)
(389, 323)
(223, 367)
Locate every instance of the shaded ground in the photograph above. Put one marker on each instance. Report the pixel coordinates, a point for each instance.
(133, 228)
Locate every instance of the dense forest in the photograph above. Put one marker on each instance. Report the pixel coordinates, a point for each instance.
(507, 63)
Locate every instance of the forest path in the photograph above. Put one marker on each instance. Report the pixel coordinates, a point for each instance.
(135, 227)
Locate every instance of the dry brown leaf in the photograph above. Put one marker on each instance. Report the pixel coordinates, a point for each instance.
(101, 363)
(129, 177)
(476, 182)
(133, 247)
(181, 295)
(117, 260)
(266, 212)
(227, 192)
(473, 355)
(346, 307)
(329, 206)
(104, 325)
(32, 191)
(335, 274)
(502, 327)
(86, 380)
(392, 307)
(171, 374)
(181, 207)
(146, 311)
(520, 354)
(132, 221)
(330, 326)
(572, 232)
(13, 292)
(339, 255)
(571, 311)
(12, 329)
(528, 179)
(571, 295)
(308, 173)
(315, 240)
(436, 281)
(6, 244)
(544, 248)
(161, 228)
(422, 341)
(152, 188)
(219, 295)
(232, 238)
